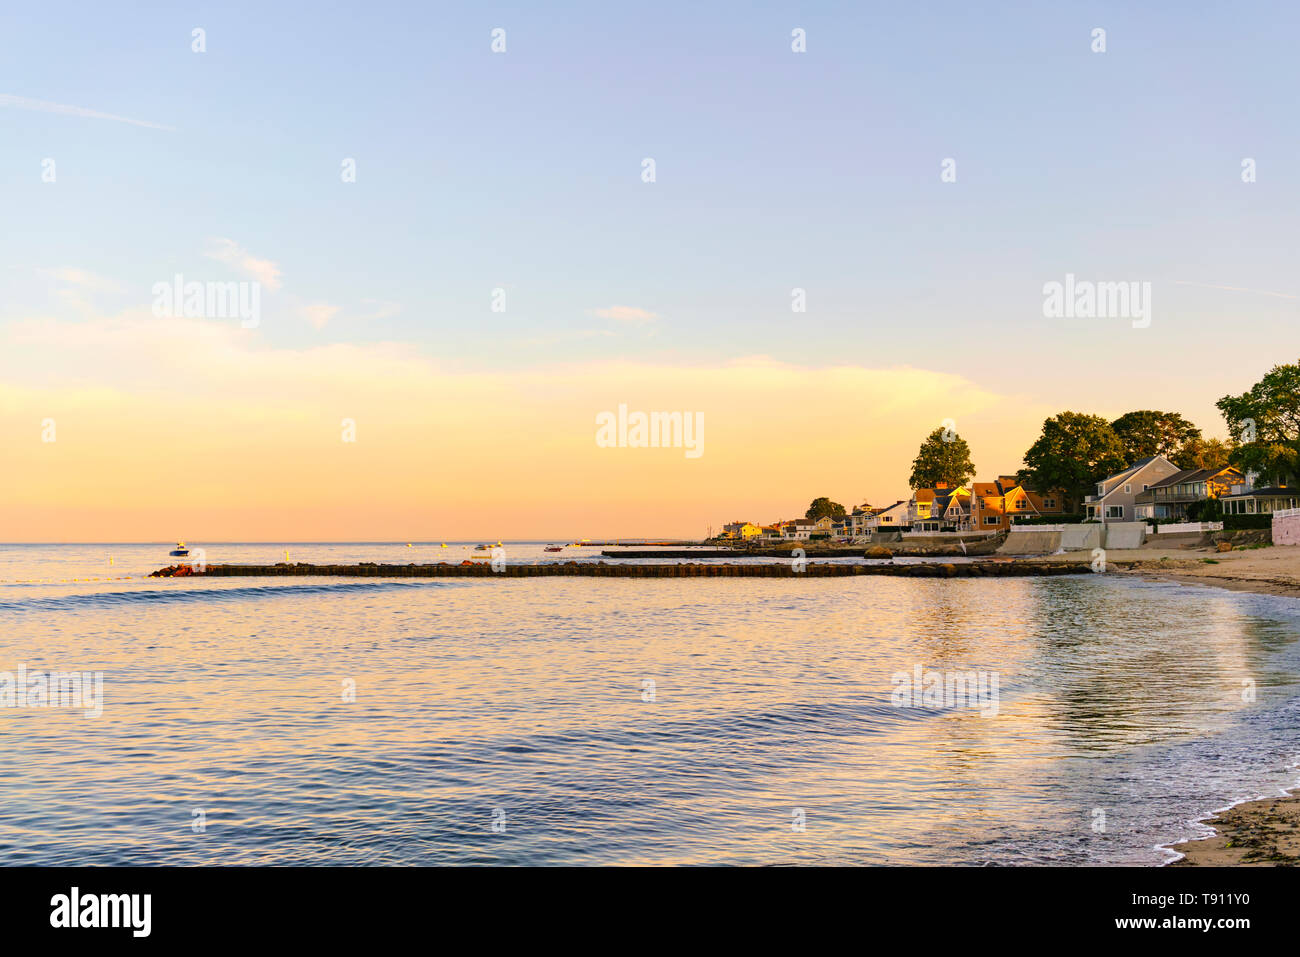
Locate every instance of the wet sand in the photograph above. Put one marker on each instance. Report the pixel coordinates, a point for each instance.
(1274, 570)
(1256, 834)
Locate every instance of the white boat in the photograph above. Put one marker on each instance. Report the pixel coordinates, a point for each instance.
(180, 551)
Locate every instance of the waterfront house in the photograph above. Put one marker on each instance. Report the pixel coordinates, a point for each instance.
(823, 528)
(940, 509)
(741, 530)
(999, 504)
(955, 510)
(1246, 499)
(798, 530)
(891, 516)
(1116, 497)
(1169, 498)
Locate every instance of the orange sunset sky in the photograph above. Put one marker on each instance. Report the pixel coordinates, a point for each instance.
(842, 246)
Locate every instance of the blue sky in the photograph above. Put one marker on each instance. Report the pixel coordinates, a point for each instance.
(775, 170)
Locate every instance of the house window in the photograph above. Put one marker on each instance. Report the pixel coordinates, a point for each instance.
(1128, 489)
(990, 519)
(1049, 503)
(1114, 511)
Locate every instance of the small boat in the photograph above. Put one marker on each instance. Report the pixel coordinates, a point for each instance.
(481, 548)
(555, 548)
(180, 551)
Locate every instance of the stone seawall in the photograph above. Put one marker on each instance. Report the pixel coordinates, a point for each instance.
(992, 569)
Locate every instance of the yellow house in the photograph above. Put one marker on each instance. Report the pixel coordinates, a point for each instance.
(741, 530)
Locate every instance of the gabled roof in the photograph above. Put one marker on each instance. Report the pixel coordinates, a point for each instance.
(1131, 469)
(1194, 475)
(1119, 477)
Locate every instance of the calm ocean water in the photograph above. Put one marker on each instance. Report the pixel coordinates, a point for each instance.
(505, 721)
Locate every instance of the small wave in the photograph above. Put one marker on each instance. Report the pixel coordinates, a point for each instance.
(177, 595)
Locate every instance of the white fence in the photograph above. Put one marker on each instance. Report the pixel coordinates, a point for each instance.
(1184, 527)
(1037, 528)
(1285, 512)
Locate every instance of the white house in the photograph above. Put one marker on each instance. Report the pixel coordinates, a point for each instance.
(894, 516)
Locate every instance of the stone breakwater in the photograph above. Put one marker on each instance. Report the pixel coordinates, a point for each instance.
(993, 569)
(982, 547)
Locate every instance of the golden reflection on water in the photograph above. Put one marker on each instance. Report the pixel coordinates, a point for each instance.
(527, 695)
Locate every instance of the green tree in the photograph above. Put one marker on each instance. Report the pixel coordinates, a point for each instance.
(821, 507)
(1265, 424)
(944, 456)
(1147, 433)
(1203, 454)
(1072, 453)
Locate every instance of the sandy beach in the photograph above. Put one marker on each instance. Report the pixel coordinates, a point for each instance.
(1257, 834)
(1272, 570)
(1264, 569)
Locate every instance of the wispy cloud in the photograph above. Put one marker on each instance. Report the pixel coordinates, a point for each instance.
(253, 405)
(629, 314)
(379, 309)
(80, 277)
(318, 313)
(575, 335)
(43, 106)
(230, 252)
(1258, 292)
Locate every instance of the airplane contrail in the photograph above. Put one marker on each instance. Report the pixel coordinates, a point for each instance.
(1260, 292)
(42, 106)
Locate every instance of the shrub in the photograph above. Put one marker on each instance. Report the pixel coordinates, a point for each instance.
(1233, 523)
(1053, 520)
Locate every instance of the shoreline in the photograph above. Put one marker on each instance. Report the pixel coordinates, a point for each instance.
(1264, 832)
(1273, 571)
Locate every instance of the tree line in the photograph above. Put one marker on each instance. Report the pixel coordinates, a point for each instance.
(1075, 450)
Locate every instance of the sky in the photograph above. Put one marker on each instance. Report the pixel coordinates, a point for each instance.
(437, 334)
